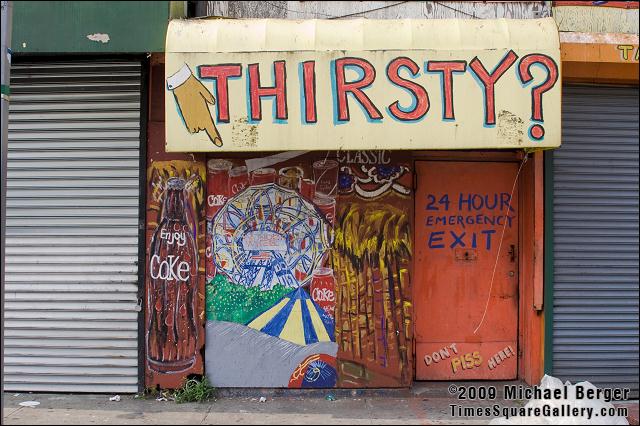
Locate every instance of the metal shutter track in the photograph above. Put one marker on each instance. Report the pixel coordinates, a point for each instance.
(71, 323)
(595, 329)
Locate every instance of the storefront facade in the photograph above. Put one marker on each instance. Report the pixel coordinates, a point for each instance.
(591, 192)
(77, 145)
(328, 264)
(72, 225)
(367, 204)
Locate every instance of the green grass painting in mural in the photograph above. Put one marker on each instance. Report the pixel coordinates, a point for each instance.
(226, 301)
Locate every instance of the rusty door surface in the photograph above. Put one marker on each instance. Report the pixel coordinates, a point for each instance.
(466, 326)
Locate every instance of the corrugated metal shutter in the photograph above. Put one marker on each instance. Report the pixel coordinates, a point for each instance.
(595, 172)
(71, 322)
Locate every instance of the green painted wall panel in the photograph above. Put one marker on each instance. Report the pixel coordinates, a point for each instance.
(63, 26)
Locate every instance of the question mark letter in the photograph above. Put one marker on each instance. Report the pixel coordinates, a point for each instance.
(537, 131)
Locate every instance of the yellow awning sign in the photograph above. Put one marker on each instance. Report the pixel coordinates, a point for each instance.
(273, 85)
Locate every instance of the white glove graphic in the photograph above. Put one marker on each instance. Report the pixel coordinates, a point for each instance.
(194, 99)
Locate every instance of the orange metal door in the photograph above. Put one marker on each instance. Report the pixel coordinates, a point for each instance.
(466, 325)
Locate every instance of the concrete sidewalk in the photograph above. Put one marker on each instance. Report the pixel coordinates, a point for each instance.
(411, 406)
(381, 407)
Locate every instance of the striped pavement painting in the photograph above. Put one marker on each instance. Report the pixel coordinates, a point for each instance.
(297, 319)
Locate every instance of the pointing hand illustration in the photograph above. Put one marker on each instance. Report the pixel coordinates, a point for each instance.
(194, 99)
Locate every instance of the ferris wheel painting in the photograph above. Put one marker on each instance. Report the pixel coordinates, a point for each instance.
(268, 235)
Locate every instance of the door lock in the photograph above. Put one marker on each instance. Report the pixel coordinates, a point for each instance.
(512, 253)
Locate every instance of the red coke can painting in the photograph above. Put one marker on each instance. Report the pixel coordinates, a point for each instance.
(327, 207)
(217, 185)
(238, 180)
(323, 290)
(263, 176)
(308, 189)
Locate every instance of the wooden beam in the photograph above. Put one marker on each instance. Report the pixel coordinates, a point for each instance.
(599, 58)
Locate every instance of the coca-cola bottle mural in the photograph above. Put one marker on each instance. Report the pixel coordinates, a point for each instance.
(172, 331)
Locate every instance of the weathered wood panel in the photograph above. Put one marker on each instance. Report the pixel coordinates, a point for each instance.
(596, 19)
(373, 9)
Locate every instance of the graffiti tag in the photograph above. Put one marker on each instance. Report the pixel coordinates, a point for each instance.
(497, 359)
(466, 361)
(627, 52)
(440, 355)
(179, 238)
(170, 269)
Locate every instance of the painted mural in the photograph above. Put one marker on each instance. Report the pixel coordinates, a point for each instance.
(175, 265)
(286, 267)
(270, 285)
(372, 255)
